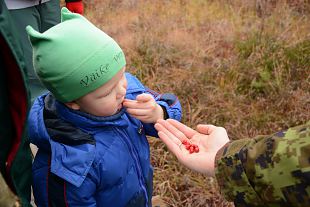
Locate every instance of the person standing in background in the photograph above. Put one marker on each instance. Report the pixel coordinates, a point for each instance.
(15, 156)
(41, 15)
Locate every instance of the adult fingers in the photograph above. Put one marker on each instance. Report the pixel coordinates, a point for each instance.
(187, 131)
(162, 129)
(205, 128)
(172, 146)
(172, 129)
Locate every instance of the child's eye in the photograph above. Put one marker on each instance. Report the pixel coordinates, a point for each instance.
(108, 93)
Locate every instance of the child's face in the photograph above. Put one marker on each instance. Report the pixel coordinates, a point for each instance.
(106, 100)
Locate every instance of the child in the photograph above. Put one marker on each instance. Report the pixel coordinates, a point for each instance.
(91, 129)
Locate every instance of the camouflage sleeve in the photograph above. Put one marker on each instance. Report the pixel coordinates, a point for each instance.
(267, 170)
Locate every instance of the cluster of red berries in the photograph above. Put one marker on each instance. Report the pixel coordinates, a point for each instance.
(190, 147)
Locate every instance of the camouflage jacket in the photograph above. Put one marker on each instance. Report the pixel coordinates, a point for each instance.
(267, 170)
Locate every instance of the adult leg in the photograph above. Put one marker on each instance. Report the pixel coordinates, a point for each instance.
(49, 14)
(23, 18)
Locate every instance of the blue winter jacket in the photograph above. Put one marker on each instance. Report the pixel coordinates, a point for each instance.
(85, 160)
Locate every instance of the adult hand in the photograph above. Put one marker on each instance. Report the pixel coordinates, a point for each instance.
(144, 108)
(76, 7)
(208, 138)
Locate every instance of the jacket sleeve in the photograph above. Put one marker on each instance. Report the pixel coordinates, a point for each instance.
(267, 169)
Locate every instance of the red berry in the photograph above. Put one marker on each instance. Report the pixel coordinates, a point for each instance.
(196, 149)
(185, 142)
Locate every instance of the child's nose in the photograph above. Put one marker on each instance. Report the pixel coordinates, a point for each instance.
(121, 90)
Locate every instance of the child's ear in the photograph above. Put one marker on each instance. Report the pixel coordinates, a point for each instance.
(73, 105)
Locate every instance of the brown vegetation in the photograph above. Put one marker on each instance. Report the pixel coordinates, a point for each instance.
(244, 65)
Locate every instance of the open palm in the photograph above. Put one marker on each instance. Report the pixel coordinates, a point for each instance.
(208, 138)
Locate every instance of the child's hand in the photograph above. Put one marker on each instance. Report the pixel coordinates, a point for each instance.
(144, 108)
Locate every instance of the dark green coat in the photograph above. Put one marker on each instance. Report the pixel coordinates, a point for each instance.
(268, 171)
(15, 157)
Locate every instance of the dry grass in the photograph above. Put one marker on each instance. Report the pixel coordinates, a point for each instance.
(244, 65)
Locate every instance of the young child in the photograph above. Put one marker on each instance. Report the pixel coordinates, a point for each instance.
(91, 129)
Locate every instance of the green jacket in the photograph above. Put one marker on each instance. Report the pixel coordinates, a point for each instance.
(267, 170)
(15, 156)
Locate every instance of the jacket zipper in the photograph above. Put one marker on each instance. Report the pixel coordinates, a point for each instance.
(137, 163)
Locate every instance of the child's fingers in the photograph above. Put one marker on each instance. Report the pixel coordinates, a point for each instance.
(139, 105)
(144, 97)
(138, 112)
(133, 104)
(130, 103)
(145, 119)
(129, 100)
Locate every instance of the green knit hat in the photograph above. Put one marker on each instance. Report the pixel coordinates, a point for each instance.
(74, 57)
